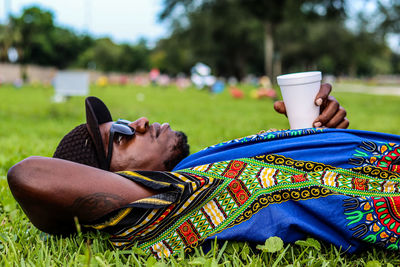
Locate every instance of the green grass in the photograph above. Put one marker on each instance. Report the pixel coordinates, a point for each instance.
(31, 125)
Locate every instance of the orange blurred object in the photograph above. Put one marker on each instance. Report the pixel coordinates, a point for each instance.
(236, 92)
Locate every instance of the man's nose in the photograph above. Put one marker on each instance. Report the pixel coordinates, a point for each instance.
(140, 125)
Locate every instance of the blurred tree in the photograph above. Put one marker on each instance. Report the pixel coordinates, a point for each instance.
(389, 11)
(4, 43)
(239, 18)
(382, 19)
(218, 33)
(335, 49)
(298, 35)
(228, 35)
(105, 55)
(8, 39)
(395, 63)
(39, 41)
(173, 55)
(134, 57)
(66, 47)
(272, 13)
(34, 26)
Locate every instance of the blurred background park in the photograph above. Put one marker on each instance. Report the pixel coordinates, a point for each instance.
(237, 39)
(208, 67)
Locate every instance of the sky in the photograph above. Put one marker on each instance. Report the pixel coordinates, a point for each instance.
(122, 20)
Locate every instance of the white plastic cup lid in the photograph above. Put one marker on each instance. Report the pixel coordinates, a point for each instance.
(299, 78)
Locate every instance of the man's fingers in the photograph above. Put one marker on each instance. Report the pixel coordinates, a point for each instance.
(328, 113)
(323, 94)
(332, 114)
(279, 106)
(336, 120)
(344, 124)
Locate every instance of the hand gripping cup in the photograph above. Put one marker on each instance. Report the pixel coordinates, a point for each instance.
(299, 91)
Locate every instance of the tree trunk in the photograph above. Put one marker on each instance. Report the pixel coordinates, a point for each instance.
(277, 67)
(352, 70)
(24, 72)
(268, 49)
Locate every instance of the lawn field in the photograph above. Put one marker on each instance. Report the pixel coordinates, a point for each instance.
(30, 124)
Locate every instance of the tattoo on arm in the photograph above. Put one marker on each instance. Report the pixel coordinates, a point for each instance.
(95, 205)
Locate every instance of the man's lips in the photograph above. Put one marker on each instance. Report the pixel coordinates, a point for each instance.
(165, 126)
(158, 129)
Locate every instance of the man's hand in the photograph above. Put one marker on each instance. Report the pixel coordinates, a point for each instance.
(332, 115)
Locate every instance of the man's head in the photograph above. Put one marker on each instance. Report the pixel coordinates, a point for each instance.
(140, 146)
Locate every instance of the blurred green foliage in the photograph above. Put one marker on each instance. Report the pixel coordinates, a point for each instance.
(291, 35)
(234, 37)
(39, 41)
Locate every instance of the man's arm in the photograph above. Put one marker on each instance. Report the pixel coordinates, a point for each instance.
(332, 115)
(53, 191)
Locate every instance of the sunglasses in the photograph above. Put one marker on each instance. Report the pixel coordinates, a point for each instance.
(120, 127)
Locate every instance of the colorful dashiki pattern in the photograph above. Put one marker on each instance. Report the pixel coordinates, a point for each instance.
(255, 197)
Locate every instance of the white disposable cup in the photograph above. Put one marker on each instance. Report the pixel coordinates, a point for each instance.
(299, 91)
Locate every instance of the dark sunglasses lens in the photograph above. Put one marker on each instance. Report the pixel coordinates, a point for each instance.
(123, 129)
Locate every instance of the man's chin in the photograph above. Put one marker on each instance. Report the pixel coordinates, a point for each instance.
(180, 151)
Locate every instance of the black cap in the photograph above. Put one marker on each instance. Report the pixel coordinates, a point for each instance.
(74, 145)
(97, 113)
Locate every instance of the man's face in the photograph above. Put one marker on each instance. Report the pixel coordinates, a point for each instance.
(150, 148)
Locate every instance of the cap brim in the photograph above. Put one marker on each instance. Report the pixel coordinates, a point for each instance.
(97, 113)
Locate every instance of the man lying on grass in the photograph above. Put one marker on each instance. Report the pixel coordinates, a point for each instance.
(340, 186)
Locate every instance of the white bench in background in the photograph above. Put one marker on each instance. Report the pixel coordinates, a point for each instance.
(70, 83)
